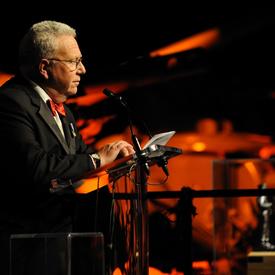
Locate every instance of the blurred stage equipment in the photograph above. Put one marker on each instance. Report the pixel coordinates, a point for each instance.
(266, 206)
(194, 169)
(242, 223)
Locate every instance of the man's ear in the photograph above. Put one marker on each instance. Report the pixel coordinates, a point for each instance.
(43, 68)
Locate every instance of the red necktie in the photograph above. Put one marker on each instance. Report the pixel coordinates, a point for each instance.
(57, 107)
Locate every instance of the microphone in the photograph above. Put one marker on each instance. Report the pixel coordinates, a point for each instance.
(161, 162)
(111, 94)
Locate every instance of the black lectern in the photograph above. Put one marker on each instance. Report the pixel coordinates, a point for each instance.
(137, 164)
(150, 156)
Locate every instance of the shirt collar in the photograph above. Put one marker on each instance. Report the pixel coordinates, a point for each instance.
(45, 97)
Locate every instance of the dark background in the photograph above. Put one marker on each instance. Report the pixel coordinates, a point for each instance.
(232, 80)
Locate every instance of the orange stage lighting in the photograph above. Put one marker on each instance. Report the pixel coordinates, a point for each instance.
(92, 184)
(93, 94)
(201, 40)
(4, 77)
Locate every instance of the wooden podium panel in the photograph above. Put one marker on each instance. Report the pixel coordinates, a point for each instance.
(261, 263)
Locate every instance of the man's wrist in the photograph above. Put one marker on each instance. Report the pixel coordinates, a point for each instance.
(95, 157)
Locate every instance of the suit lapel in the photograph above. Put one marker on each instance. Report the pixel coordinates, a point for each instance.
(69, 133)
(46, 115)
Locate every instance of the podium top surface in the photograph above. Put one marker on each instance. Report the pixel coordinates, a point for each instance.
(123, 166)
(151, 155)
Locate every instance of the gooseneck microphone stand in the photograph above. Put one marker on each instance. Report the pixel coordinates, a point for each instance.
(140, 262)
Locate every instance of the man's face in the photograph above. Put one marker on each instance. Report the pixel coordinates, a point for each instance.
(65, 68)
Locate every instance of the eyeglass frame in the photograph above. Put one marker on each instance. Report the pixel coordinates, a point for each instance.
(75, 62)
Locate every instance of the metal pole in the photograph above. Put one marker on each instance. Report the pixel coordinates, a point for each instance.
(141, 228)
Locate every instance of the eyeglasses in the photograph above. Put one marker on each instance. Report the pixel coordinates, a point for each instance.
(71, 64)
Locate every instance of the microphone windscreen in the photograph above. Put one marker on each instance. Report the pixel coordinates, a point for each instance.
(109, 93)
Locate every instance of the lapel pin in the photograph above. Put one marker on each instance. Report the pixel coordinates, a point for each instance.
(72, 130)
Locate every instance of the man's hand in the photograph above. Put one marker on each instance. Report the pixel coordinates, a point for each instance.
(110, 152)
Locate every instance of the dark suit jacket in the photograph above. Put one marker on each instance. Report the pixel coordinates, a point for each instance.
(33, 152)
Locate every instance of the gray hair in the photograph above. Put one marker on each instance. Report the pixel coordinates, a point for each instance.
(40, 41)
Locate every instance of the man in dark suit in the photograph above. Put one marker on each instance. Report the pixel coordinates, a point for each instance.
(41, 148)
